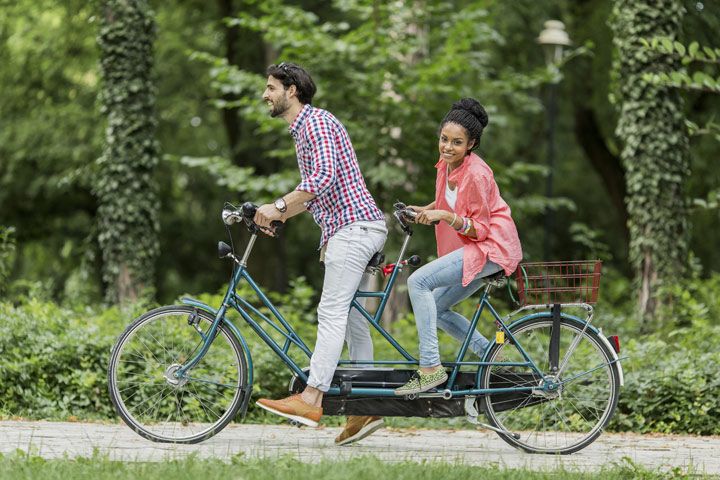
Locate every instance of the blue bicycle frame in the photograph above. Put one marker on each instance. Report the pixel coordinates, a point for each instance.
(249, 313)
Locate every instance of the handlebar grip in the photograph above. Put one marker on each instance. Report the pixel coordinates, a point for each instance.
(249, 209)
(414, 261)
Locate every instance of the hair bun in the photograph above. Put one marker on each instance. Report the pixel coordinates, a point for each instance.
(473, 107)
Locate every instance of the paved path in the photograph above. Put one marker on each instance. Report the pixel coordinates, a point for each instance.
(56, 439)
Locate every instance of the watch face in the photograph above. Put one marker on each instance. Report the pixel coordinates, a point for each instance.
(280, 205)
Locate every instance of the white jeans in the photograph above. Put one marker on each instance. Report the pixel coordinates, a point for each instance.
(346, 257)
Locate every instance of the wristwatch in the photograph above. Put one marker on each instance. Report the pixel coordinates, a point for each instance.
(280, 205)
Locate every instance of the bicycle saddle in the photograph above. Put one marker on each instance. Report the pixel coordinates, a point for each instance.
(376, 260)
(496, 279)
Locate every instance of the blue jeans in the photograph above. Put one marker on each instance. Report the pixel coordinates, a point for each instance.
(434, 289)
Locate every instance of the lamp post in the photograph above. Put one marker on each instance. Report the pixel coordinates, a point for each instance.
(553, 39)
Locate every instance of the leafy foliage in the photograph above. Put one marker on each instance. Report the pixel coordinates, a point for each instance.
(50, 136)
(54, 362)
(693, 53)
(404, 70)
(655, 146)
(669, 389)
(7, 254)
(126, 187)
(55, 359)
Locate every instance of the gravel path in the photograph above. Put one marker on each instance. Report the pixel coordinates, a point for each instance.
(58, 439)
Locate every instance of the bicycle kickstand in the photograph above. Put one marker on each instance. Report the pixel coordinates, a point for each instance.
(472, 416)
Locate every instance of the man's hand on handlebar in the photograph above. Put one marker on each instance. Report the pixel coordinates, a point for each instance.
(265, 216)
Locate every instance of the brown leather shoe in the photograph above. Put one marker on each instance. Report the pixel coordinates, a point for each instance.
(294, 408)
(357, 428)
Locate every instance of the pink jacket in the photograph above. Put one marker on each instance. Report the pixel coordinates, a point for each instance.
(479, 199)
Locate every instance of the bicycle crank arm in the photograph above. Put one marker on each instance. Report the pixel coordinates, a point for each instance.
(472, 417)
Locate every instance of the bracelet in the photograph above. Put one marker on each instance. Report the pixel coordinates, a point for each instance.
(467, 225)
(452, 224)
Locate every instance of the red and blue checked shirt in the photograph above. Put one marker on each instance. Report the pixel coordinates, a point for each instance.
(329, 169)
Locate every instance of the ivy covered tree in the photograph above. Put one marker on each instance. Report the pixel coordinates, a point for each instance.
(125, 188)
(655, 146)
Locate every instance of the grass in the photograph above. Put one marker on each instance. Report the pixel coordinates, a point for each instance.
(22, 466)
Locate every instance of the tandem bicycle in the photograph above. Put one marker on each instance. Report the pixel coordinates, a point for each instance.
(548, 383)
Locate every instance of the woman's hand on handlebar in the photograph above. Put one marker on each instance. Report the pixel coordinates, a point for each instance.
(416, 208)
(432, 217)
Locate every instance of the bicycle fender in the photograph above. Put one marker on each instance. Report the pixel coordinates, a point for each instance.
(248, 359)
(197, 303)
(598, 331)
(615, 355)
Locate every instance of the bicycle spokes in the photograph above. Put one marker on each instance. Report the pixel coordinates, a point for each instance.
(154, 396)
(556, 415)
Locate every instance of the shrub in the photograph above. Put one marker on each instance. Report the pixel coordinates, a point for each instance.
(53, 362)
(671, 387)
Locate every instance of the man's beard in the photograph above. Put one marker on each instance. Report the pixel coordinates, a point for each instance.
(279, 107)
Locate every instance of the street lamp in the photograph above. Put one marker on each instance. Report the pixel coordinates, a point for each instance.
(553, 39)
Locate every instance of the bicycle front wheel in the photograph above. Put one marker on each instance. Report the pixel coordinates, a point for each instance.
(568, 418)
(156, 404)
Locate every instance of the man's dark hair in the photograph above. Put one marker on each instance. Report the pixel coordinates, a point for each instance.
(292, 74)
(469, 114)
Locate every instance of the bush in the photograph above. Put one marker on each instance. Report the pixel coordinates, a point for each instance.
(54, 362)
(672, 387)
(54, 358)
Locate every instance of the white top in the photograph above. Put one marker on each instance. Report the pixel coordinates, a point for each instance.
(451, 195)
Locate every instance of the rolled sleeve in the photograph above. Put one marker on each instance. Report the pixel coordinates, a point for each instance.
(324, 157)
(479, 210)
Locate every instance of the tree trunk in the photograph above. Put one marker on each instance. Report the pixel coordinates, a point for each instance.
(125, 185)
(607, 165)
(231, 116)
(655, 151)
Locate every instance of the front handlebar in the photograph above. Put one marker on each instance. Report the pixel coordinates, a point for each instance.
(246, 213)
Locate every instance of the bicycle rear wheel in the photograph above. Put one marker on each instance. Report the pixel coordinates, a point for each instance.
(562, 421)
(154, 403)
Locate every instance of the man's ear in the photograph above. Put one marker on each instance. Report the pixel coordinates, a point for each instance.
(292, 91)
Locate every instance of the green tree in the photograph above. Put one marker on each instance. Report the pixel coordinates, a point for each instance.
(125, 187)
(49, 139)
(655, 146)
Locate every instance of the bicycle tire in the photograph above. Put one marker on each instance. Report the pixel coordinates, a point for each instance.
(561, 422)
(181, 410)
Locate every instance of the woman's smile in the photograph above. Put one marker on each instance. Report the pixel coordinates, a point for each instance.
(453, 143)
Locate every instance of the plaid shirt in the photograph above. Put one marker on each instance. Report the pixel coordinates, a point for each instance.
(330, 171)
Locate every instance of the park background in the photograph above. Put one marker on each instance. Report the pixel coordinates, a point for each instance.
(125, 125)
